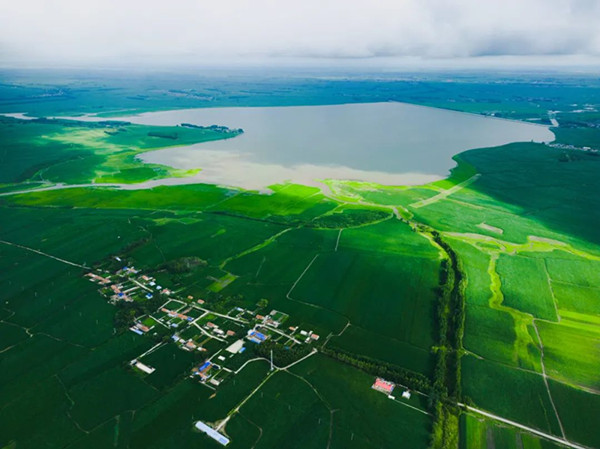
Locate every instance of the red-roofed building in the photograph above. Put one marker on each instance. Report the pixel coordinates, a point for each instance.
(383, 385)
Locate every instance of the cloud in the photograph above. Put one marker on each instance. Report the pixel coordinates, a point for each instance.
(200, 31)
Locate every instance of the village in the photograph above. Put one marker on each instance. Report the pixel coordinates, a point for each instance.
(222, 339)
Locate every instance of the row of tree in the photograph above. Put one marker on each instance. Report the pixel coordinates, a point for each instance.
(388, 371)
(349, 218)
(446, 390)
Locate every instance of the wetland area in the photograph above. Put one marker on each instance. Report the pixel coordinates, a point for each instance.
(387, 143)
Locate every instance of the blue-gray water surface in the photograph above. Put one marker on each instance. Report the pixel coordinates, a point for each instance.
(389, 143)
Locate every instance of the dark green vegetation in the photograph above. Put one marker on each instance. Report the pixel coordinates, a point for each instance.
(466, 295)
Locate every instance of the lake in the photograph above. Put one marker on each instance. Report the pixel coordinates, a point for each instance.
(387, 143)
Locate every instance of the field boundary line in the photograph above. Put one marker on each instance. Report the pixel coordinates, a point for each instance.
(300, 277)
(537, 333)
(16, 245)
(337, 243)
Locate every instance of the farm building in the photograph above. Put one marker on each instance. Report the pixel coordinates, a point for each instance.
(256, 337)
(383, 385)
(235, 347)
(212, 433)
(203, 370)
(145, 368)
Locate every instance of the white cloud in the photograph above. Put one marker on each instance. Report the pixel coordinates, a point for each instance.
(198, 31)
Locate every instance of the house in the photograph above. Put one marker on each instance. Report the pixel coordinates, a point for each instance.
(383, 385)
(203, 370)
(230, 333)
(406, 394)
(315, 337)
(200, 301)
(143, 328)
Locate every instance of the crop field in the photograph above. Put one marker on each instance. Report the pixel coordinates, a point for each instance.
(525, 389)
(533, 296)
(478, 433)
(170, 363)
(572, 351)
(578, 412)
(321, 403)
(394, 350)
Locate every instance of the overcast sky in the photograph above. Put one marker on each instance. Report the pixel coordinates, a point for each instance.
(41, 32)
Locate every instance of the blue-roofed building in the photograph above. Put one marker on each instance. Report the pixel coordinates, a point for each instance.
(204, 366)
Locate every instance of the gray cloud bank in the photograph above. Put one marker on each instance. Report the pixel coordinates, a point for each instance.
(200, 31)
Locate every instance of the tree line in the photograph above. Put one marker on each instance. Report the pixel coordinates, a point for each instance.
(388, 371)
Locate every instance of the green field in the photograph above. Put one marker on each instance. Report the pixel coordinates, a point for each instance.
(480, 289)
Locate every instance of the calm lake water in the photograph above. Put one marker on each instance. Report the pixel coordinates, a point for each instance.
(388, 143)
